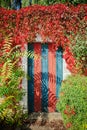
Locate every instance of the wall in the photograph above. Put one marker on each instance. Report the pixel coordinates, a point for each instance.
(24, 82)
(66, 72)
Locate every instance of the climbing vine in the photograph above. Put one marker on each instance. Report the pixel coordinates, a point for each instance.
(55, 23)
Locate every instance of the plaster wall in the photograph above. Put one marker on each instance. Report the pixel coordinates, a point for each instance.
(25, 82)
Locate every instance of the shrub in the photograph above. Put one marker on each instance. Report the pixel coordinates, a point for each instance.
(73, 102)
(78, 47)
(11, 91)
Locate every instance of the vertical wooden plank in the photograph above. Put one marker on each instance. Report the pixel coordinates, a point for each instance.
(59, 70)
(52, 78)
(30, 80)
(37, 77)
(44, 78)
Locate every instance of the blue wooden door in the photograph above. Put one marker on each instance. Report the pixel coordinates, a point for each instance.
(45, 69)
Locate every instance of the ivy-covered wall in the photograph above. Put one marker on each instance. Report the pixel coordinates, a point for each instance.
(59, 23)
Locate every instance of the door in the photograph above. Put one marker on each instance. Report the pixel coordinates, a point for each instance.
(45, 70)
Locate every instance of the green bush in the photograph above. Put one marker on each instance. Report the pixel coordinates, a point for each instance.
(78, 47)
(73, 102)
(11, 91)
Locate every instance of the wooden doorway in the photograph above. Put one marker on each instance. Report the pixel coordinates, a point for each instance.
(45, 70)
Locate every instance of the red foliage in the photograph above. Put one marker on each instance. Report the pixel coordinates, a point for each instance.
(69, 111)
(68, 125)
(54, 22)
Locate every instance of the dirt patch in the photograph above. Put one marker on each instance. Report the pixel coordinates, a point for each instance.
(53, 125)
(44, 121)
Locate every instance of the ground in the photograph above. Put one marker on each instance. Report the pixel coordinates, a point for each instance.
(44, 121)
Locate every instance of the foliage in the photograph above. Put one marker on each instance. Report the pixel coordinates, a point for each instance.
(12, 4)
(11, 74)
(25, 3)
(75, 2)
(5, 3)
(50, 22)
(79, 46)
(48, 2)
(73, 102)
